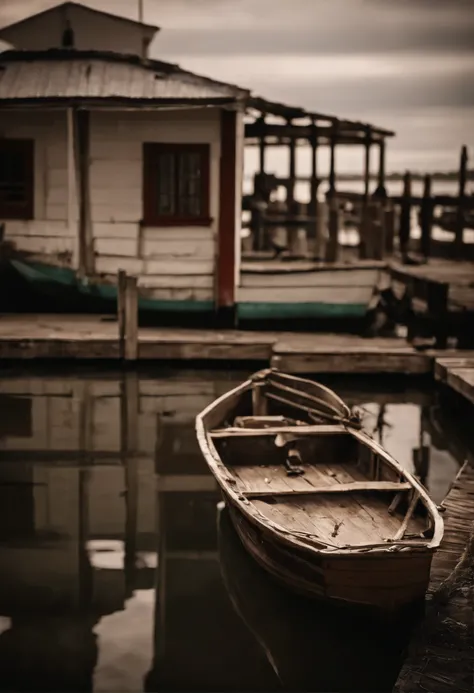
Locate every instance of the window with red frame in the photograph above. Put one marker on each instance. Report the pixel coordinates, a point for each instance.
(16, 179)
(176, 184)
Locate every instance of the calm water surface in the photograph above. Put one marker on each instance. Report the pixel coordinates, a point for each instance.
(118, 571)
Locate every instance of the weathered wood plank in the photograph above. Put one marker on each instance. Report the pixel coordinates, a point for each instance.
(441, 652)
(354, 486)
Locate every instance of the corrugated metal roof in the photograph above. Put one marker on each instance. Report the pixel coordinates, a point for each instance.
(79, 77)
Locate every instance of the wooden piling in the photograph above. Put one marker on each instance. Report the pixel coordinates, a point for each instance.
(459, 237)
(322, 221)
(314, 171)
(380, 190)
(405, 215)
(367, 146)
(426, 218)
(373, 231)
(127, 309)
(292, 173)
(389, 220)
(332, 246)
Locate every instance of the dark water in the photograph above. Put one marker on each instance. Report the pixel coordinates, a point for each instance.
(118, 572)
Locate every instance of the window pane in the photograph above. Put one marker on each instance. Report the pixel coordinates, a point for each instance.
(190, 184)
(166, 193)
(13, 176)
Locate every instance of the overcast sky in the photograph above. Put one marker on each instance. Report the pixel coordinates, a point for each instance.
(404, 64)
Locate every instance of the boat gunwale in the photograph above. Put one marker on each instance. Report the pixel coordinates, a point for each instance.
(220, 471)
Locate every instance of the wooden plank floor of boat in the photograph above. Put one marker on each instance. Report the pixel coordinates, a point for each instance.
(353, 518)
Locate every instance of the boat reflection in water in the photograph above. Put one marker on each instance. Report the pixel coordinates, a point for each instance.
(310, 645)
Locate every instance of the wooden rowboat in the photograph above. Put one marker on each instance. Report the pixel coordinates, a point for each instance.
(318, 503)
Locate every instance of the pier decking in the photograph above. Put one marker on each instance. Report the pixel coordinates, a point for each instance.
(442, 295)
(59, 337)
(440, 657)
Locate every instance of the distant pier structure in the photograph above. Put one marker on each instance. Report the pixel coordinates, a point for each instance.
(273, 124)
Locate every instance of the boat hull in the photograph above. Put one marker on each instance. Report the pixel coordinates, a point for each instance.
(63, 283)
(387, 582)
(339, 292)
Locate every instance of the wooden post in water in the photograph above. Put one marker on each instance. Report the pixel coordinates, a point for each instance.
(129, 409)
(127, 308)
(426, 218)
(459, 237)
(367, 146)
(378, 230)
(374, 231)
(290, 194)
(333, 240)
(405, 215)
(389, 226)
(380, 190)
(262, 144)
(314, 171)
(332, 165)
(322, 221)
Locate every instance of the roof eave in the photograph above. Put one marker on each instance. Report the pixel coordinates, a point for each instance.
(112, 101)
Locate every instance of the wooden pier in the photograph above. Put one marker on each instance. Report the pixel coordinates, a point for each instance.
(59, 337)
(441, 654)
(441, 293)
(457, 374)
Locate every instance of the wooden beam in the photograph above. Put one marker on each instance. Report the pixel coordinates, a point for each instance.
(82, 142)
(381, 190)
(314, 172)
(262, 147)
(227, 212)
(290, 190)
(332, 165)
(459, 238)
(353, 487)
(367, 146)
(426, 217)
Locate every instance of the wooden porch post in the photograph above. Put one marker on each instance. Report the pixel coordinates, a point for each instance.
(314, 170)
(367, 146)
(332, 166)
(262, 144)
(82, 142)
(459, 233)
(227, 214)
(290, 195)
(381, 190)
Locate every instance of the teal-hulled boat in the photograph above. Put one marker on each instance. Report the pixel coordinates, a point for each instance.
(288, 289)
(63, 284)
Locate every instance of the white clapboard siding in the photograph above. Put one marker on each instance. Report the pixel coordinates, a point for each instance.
(39, 228)
(45, 245)
(181, 233)
(124, 247)
(179, 266)
(185, 294)
(323, 278)
(334, 295)
(191, 248)
(48, 130)
(111, 264)
(176, 263)
(180, 281)
(129, 231)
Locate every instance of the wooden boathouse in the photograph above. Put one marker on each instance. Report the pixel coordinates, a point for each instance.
(115, 161)
(112, 160)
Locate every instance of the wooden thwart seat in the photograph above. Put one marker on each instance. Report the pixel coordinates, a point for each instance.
(235, 432)
(355, 486)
